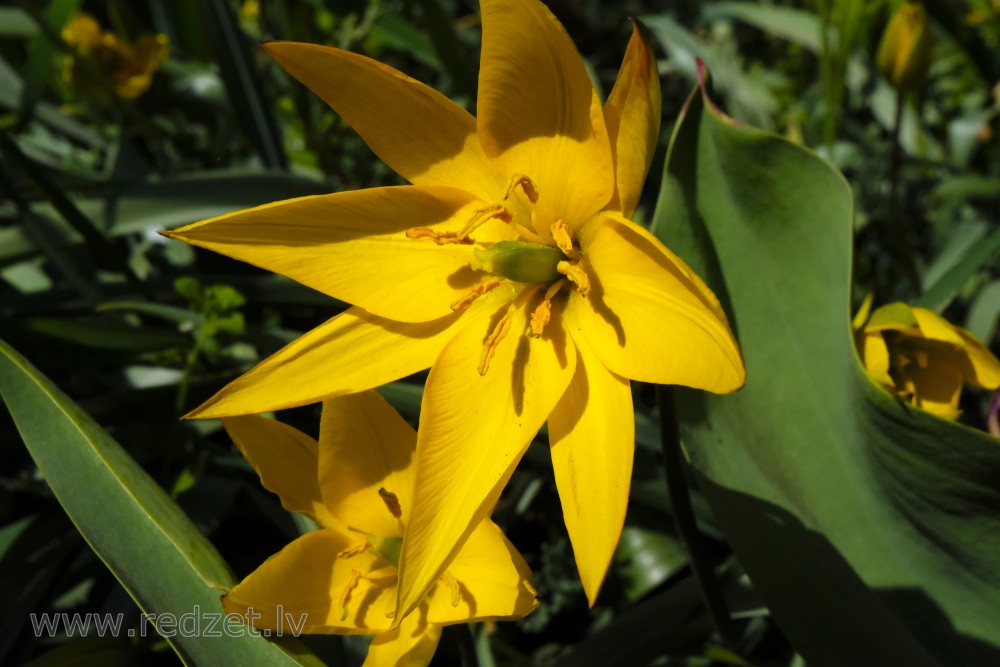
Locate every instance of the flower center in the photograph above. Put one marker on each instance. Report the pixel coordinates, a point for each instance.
(527, 260)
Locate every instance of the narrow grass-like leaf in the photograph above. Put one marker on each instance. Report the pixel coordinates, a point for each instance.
(243, 83)
(160, 557)
(940, 294)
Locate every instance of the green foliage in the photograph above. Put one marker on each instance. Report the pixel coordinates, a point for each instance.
(868, 530)
(152, 547)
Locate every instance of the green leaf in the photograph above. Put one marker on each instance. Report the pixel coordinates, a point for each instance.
(159, 556)
(16, 23)
(984, 313)
(234, 53)
(940, 294)
(796, 25)
(165, 205)
(664, 624)
(870, 528)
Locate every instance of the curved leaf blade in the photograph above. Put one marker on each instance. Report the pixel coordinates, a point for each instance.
(870, 528)
(150, 545)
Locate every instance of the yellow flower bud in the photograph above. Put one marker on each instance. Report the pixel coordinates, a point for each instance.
(905, 53)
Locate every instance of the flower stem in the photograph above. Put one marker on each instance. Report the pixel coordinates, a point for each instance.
(465, 641)
(897, 231)
(687, 528)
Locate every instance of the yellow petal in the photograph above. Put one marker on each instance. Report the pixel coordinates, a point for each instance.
(863, 312)
(632, 115)
(412, 644)
(349, 353)
(936, 388)
(353, 246)
(647, 316)
(309, 581)
(984, 367)
(539, 114)
(285, 458)
(592, 436)
(935, 327)
(473, 430)
(488, 580)
(875, 357)
(424, 136)
(366, 452)
(893, 317)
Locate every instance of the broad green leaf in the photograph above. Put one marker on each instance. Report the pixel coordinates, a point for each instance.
(870, 528)
(159, 556)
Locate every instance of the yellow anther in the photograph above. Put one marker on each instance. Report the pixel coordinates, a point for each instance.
(345, 595)
(391, 502)
(452, 584)
(540, 317)
(526, 186)
(493, 340)
(561, 235)
(350, 552)
(542, 313)
(441, 238)
(475, 292)
(483, 215)
(577, 275)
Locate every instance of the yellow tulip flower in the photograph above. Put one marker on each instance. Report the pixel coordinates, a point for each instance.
(509, 268)
(128, 66)
(357, 484)
(915, 354)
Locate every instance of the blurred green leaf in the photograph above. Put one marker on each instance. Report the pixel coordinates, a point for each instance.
(796, 25)
(984, 313)
(43, 54)
(939, 294)
(665, 624)
(16, 23)
(870, 528)
(159, 556)
(165, 205)
(234, 53)
(747, 98)
(449, 48)
(100, 249)
(647, 559)
(105, 335)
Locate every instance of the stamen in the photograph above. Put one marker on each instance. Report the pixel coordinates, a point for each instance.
(526, 185)
(579, 277)
(493, 340)
(475, 292)
(391, 502)
(350, 552)
(543, 311)
(484, 215)
(452, 583)
(540, 317)
(561, 235)
(352, 583)
(441, 238)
